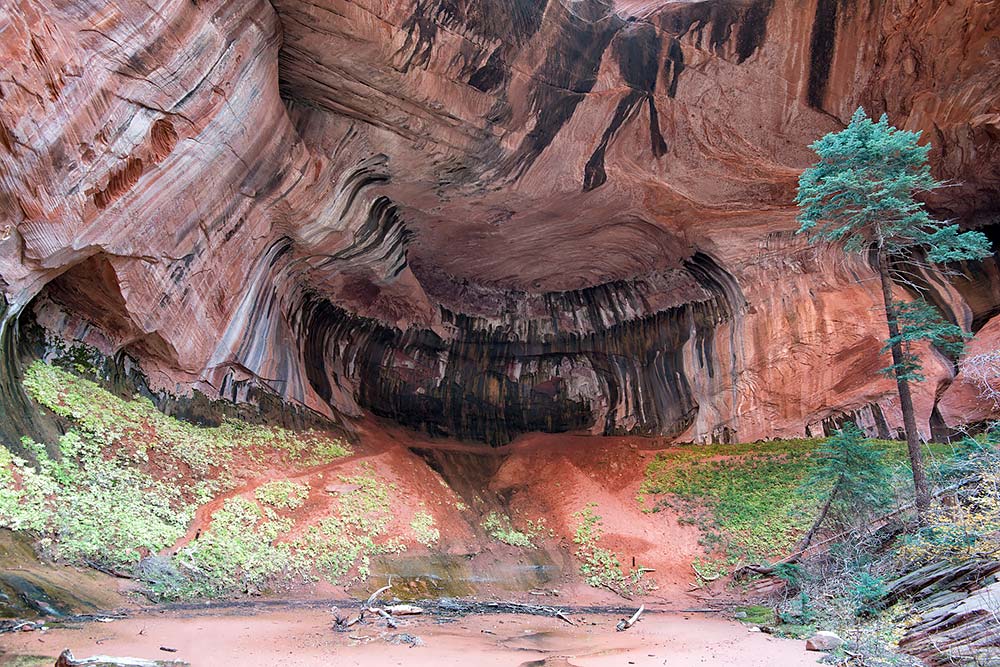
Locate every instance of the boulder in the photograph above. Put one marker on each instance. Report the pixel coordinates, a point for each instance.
(824, 641)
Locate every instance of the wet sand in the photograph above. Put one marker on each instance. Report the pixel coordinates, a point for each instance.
(305, 637)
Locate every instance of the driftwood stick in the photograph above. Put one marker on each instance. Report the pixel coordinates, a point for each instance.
(626, 624)
(389, 620)
(66, 659)
(374, 596)
(404, 610)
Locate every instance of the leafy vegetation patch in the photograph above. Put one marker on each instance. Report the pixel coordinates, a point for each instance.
(93, 509)
(500, 527)
(354, 532)
(424, 528)
(746, 501)
(252, 544)
(600, 566)
(750, 500)
(239, 553)
(957, 531)
(126, 479)
(282, 494)
(24, 494)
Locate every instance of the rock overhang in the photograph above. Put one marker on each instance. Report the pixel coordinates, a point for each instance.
(484, 218)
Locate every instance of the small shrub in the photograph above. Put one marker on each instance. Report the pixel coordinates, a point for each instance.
(866, 592)
(966, 527)
(855, 471)
(757, 614)
(790, 573)
(983, 371)
(799, 611)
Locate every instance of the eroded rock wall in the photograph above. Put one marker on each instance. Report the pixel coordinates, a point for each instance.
(483, 218)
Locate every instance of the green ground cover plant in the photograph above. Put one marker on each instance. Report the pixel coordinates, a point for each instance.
(751, 500)
(126, 479)
(424, 528)
(600, 566)
(282, 494)
(354, 532)
(250, 545)
(500, 527)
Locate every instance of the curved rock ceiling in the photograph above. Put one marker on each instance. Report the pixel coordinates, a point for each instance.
(484, 218)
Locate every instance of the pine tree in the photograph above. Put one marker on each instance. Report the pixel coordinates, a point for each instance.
(860, 194)
(858, 477)
(857, 469)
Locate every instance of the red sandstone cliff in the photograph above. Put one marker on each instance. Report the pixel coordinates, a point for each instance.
(485, 217)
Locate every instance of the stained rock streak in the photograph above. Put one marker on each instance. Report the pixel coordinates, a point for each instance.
(485, 218)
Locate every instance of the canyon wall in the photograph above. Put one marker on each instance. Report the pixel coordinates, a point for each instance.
(486, 218)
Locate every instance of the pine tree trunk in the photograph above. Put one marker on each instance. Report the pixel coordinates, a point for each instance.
(923, 495)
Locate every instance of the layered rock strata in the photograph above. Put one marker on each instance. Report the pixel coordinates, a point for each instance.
(484, 218)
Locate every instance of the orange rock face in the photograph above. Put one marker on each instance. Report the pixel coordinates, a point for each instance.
(484, 218)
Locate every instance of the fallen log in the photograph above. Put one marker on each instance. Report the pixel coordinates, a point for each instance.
(463, 607)
(404, 610)
(66, 659)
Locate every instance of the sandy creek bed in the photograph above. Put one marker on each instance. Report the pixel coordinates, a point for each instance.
(304, 637)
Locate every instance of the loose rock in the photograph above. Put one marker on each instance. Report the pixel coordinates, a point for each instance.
(824, 641)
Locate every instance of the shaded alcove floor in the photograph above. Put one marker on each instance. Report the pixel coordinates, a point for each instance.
(303, 637)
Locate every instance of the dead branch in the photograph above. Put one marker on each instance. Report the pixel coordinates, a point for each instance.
(704, 577)
(389, 620)
(626, 624)
(374, 596)
(983, 371)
